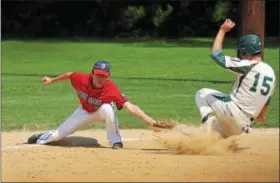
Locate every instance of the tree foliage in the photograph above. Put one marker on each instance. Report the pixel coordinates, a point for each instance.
(104, 18)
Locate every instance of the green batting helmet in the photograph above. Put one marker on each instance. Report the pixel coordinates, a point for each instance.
(250, 44)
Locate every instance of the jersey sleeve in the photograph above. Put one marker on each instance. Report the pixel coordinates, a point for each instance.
(75, 79)
(119, 97)
(234, 64)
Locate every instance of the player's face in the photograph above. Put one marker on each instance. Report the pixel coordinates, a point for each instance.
(99, 80)
(245, 56)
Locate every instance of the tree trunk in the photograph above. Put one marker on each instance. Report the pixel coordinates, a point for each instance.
(252, 19)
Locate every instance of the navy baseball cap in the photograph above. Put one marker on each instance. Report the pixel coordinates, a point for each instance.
(101, 67)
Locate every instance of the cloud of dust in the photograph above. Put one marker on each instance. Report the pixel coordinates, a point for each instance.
(192, 140)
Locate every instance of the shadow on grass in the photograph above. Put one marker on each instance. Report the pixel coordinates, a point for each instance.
(134, 78)
(141, 42)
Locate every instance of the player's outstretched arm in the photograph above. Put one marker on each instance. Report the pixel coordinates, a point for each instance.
(49, 80)
(155, 125)
(136, 111)
(225, 27)
(262, 116)
(217, 53)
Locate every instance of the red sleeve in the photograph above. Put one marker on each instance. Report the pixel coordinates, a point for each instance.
(75, 79)
(119, 97)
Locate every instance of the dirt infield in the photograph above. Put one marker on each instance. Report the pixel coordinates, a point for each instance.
(253, 157)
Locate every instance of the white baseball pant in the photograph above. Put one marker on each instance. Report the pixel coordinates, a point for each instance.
(231, 120)
(79, 119)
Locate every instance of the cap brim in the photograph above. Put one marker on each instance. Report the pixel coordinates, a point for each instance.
(101, 72)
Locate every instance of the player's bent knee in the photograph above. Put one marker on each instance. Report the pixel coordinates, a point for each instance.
(108, 113)
(202, 92)
(199, 93)
(107, 110)
(107, 107)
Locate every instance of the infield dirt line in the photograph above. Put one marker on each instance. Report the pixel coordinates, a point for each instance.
(22, 146)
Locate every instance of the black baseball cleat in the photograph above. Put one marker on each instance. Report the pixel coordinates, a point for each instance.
(117, 145)
(33, 139)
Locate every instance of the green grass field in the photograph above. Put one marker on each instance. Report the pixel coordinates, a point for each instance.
(161, 77)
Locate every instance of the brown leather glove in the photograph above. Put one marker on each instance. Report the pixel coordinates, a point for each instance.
(160, 125)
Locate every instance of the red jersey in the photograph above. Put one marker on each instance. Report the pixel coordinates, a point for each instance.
(92, 98)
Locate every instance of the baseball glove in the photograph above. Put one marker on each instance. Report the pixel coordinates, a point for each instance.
(160, 125)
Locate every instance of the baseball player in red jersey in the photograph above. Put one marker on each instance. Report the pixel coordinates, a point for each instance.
(97, 95)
